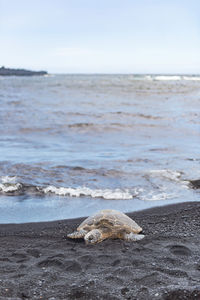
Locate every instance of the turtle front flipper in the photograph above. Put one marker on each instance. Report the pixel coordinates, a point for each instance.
(94, 236)
(132, 237)
(77, 234)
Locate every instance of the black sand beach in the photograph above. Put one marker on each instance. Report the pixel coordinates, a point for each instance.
(39, 262)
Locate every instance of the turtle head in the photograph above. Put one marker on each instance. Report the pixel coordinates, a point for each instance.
(94, 236)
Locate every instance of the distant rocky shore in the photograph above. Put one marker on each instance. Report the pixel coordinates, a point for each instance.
(19, 72)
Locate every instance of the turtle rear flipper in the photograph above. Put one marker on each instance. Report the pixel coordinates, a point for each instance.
(77, 234)
(133, 237)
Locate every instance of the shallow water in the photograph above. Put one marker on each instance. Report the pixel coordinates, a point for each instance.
(72, 144)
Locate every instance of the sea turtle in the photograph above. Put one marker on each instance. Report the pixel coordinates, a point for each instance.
(105, 224)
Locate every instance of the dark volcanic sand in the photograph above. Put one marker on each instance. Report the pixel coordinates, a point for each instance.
(38, 262)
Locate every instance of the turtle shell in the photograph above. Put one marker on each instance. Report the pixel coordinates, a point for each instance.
(112, 219)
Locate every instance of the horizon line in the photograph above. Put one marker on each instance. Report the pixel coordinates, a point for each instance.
(105, 73)
(116, 73)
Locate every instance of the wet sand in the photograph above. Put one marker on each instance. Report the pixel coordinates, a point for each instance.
(37, 261)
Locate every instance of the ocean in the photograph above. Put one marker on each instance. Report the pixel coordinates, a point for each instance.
(73, 144)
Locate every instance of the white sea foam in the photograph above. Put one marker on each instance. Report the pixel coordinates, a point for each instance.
(174, 176)
(194, 78)
(8, 179)
(153, 196)
(172, 77)
(166, 173)
(94, 193)
(167, 77)
(148, 77)
(9, 184)
(6, 188)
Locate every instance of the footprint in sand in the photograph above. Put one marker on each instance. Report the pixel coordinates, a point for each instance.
(4, 259)
(116, 263)
(19, 256)
(72, 266)
(86, 259)
(114, 280)
(68, 265)
(50, 263)
(179, 250)
(175, 272)
(34, 252)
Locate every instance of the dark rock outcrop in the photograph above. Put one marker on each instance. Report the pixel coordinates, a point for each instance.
(19, 72)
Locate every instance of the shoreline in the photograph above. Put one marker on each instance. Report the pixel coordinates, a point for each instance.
(151, 210)
(39, 262)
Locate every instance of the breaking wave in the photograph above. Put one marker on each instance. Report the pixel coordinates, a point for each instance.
(153, 196)
(10, 186)
(173, 77)
(174, 176)
(107, 194)
(116, 194)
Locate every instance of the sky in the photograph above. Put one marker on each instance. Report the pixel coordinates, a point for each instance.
(101, 36)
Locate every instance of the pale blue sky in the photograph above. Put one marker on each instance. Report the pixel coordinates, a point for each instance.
(101, 36)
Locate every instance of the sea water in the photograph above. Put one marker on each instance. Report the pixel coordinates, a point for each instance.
(73, 144)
